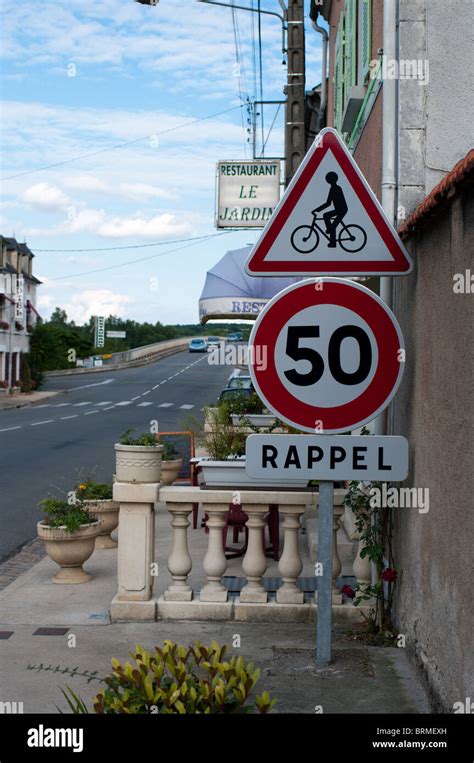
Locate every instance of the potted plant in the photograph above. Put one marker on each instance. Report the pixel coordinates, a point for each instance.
(4, 325)
(248, 410)
(138, 457)
(97, 500)
(69, 534)
(19, 326)
(170, 464)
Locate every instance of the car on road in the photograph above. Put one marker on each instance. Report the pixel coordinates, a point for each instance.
(241, 381)
(197, 345)
(213, 341)
(237, 336)
(238, 386)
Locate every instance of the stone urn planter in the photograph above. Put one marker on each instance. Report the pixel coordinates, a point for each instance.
(138, 463)
(232, 473)
(170, 470)
(69, 550)
(107, 512)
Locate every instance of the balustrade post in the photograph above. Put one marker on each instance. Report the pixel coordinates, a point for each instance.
(215, 563)
(255, 562)
(361, 566)
(179, 560)
(336, 560)
(290, 564)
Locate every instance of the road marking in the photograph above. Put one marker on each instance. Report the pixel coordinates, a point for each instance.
(165, 405)
(135, 398)
(156, 386)
(60, 405)
(109, 409)
(105, 402)
(96, 384)
(169, 378)
(146, 393)
(45, 405)
(76, 405)
(142, 405)
(88, 413)
(38, 423)
(63, 418)
(9, 429)
(187, 407)
(124, 402)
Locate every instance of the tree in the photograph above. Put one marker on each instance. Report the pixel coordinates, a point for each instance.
(58, 316)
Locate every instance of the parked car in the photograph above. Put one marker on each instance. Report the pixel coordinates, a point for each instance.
(213, 341)
(231, 393)
(197, 345)
(242, 381)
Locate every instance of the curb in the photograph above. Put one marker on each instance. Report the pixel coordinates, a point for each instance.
(25, 403)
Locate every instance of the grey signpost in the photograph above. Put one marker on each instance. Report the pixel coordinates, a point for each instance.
(324, 615)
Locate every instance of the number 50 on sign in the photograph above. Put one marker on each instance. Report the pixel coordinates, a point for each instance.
(335, 355)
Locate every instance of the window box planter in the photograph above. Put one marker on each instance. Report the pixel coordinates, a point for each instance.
(19, 326)
(231, 473)
(69, 550)
(4, 326)
(138, 463)
(262, 420)
(107, 513)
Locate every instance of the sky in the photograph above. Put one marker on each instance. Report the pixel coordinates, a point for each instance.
(82, 77)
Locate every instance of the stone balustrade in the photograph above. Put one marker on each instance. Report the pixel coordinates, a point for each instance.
(135, 598)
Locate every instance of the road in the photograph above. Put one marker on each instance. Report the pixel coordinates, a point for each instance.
(46, 446)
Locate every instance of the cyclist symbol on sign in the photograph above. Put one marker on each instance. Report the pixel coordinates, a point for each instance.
(351, 238)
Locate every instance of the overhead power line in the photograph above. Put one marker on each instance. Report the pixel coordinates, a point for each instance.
(141, 259)
(130, 246)
(123, 145)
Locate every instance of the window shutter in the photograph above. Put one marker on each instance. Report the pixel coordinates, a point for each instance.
(350, 46)
(366, 37)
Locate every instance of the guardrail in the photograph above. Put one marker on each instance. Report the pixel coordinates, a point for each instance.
(138, 356)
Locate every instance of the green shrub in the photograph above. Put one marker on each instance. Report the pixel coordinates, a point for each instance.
(89, 490)
(169, 452)
(145, 438)
(59, 513)
(175, 679)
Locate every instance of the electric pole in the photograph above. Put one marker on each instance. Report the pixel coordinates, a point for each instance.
(295, 141)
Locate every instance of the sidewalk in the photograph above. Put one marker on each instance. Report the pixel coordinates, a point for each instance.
(362, 679)
(23, 399)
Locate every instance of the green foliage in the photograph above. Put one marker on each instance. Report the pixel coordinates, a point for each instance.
(145, 438)
(175, 679)
(59, 513)
(52, 342)
(169, 452)
(241, 404)
(223, 439)
(89, 490)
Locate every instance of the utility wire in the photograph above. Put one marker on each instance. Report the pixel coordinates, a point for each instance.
(239, 64)
(270, 130)
(133, 262)
(123, 145)
(130, 246)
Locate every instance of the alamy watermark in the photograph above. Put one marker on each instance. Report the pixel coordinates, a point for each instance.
(400, 498)
(403, 68)
(241, 355)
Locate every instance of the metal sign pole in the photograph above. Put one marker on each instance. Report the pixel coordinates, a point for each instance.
(324, 614)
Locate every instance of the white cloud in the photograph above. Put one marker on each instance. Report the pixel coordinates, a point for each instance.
(144, 190)
(160, 226)
(96, 302)
(85, 183)
(45, 197)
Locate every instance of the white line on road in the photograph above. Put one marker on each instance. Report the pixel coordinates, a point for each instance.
(9, 429)
(187, 407)
(45, 405)
(108, 409)
(142, 405)
(136, 397)
(37, 423)
(60, 405)
(156, 386)
(96, 384)
(146, 393)
(63, 418)
(124, 402)
(77, 405)
(88, 413)
(104, 402)
(165, 405)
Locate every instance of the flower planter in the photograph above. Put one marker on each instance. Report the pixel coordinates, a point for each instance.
(69, 550)
(232, 473)
(106, 511)
(138, 463)
(256, 419)
(170, 470)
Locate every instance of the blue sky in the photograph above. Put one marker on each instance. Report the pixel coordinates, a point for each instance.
(85, 75)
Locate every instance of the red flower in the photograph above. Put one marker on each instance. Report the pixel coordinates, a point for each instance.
(348, 591)
(389, 575)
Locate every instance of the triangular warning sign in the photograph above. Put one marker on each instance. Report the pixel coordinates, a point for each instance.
(329, 222)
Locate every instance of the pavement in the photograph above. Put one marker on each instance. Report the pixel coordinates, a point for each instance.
(26, 398)
(79, 638)
(45, 445)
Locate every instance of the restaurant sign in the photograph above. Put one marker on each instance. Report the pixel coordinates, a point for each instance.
(247, 193)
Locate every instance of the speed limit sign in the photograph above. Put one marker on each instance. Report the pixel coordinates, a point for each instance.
(326, 355)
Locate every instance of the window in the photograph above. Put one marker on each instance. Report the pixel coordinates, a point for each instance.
(365, 39)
